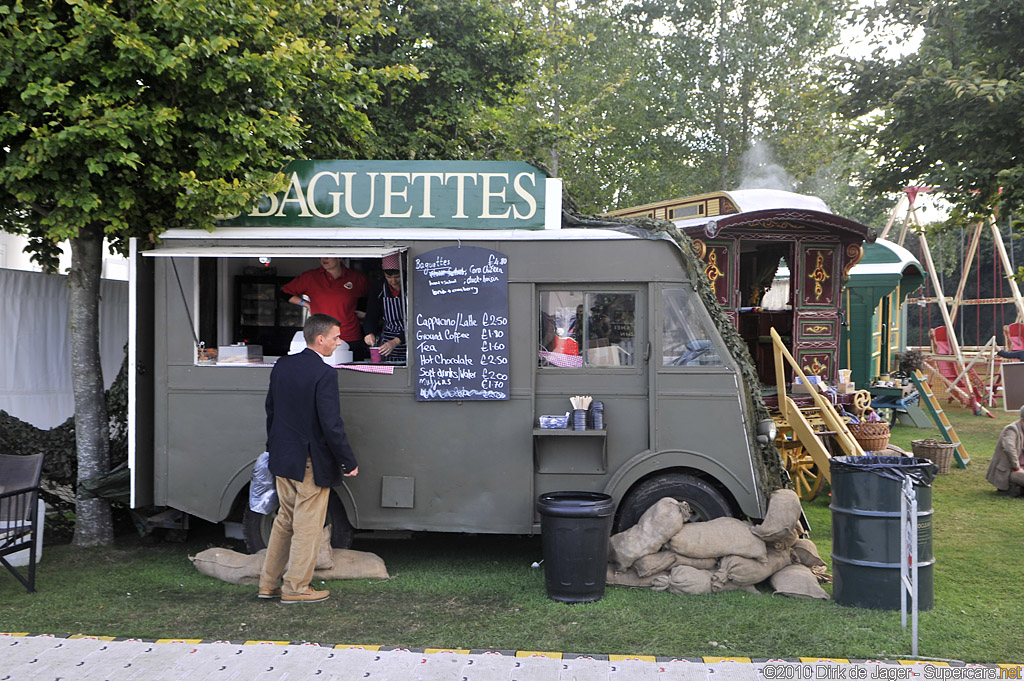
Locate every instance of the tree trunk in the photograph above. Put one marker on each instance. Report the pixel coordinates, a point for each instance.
(93, 526)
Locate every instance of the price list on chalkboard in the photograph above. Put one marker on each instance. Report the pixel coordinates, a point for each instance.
(460, 331)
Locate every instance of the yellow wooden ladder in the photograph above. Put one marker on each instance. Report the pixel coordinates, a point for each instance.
(939, 417)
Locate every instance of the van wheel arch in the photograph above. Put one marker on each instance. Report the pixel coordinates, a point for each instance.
(706, 500)
(256, 526)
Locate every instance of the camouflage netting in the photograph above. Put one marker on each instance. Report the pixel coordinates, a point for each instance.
(60, 463)
(771, 471)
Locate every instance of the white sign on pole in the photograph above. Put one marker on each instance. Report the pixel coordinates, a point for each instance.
(908, 558)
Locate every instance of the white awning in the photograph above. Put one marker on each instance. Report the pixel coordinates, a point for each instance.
(262, 250)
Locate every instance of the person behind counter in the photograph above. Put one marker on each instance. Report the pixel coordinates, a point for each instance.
(334, 290)
(384, 322)
(309, 454)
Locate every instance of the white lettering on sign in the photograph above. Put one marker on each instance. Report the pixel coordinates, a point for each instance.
(401, 195)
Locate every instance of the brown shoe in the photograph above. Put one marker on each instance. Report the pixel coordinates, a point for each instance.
(310, 595)
(269, 593)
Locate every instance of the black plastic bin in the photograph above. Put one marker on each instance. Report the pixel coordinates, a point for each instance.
(866, 494)
(575, 527)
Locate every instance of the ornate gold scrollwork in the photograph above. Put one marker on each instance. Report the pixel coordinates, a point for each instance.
(815, 368)
(711, 271)
(854, 253)
(700, 248)
(819, 275)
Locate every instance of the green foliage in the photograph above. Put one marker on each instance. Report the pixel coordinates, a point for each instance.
(140, 117)
(470, 55)
(642, 101)
(948, 115)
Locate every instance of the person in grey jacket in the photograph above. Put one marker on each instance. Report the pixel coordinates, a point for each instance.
(309, 454)
(1005, 471)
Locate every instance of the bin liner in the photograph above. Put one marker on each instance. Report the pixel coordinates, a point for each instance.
(867, 531)
(263, 488)
(892, 467)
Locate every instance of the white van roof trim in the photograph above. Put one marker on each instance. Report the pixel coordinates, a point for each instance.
(275, 251)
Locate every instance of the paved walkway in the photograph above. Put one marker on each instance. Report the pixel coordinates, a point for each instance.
(26, 657)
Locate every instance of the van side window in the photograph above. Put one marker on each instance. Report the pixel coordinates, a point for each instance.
(685, 339)
(587, 328)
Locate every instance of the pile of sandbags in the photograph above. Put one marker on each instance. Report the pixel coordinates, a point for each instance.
(664, 552)
(244, 568)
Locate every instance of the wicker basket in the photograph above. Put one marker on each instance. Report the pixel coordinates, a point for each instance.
(939, 453)
(872, 437)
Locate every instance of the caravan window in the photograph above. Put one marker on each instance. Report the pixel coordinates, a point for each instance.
(685, 340)
(587, 328)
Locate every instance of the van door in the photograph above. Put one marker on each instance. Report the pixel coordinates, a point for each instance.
(591, 342)
(699, 417)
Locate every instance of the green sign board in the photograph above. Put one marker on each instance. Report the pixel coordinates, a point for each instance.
(449, 194)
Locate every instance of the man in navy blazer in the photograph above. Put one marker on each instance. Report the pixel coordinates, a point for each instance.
(309, 454)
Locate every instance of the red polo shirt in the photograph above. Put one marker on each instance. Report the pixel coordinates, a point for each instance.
(336, 297)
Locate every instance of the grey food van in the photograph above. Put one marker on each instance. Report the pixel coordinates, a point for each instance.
(449, 440)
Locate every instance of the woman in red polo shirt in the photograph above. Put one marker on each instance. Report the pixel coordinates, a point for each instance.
(334, 289)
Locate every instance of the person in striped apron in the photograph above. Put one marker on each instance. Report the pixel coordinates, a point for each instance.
(384, 323)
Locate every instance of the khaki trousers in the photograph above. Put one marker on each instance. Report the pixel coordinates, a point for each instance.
(295, 537)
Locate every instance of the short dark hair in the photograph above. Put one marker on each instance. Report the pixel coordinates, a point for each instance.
(318, 324)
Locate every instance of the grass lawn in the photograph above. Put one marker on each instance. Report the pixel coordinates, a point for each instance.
(455, 591)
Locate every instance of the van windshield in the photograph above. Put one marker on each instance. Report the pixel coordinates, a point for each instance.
(587, 328)
(685, 339)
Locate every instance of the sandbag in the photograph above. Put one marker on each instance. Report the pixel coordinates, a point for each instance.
(684, 579)
(785, 542)
(806, 553)
(228, 566)
(345, 564)
(349, 564)
(699, 563)
(797, 581)
(782, 517)
(630, 578)
(733, 586)
(655, 527)
(661, 561)
(743, 571)
(717, 538)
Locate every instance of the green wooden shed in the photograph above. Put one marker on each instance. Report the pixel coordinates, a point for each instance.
(875, 315)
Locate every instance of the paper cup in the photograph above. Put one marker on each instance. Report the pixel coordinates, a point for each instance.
(375, 355)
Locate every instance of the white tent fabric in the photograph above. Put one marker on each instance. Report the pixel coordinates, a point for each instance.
(35, 372)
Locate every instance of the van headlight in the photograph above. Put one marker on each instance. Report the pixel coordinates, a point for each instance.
(766, 431)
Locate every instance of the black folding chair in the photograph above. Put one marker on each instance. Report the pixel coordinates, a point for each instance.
(19, 512)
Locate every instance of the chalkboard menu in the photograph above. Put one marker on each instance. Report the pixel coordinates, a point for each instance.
(460, 331)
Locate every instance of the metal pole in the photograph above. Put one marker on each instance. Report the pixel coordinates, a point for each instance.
(1007, 267)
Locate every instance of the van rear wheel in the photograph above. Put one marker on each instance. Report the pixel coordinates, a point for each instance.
(256, 526)
(705, 501)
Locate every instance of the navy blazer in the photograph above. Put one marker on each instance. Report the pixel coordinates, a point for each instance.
(304, 419)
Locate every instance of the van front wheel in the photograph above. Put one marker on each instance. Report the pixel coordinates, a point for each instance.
(705, 501)
(256, 526)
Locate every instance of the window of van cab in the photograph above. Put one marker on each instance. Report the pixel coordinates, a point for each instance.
(587, 329)
(685, 339)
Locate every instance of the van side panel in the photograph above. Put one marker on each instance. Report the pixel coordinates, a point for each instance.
(474, 466)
